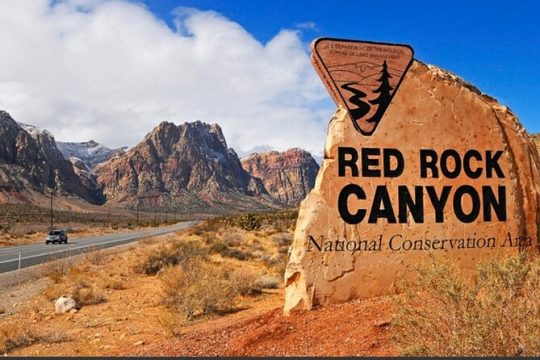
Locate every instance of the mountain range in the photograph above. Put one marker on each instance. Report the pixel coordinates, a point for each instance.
(181, 168)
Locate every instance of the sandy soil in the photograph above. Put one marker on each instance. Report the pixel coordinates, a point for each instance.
(130, 320)
(357, 328)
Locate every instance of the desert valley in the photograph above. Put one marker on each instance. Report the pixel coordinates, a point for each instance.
(249, 179)
(213, 289)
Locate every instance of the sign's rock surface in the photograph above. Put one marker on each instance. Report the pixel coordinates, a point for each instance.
(468, 189)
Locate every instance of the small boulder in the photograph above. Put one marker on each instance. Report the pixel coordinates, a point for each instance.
(64, 304)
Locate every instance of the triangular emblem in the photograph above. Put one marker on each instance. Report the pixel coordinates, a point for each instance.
(362, 76)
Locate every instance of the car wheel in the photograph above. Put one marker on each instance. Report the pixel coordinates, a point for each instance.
(47, 242)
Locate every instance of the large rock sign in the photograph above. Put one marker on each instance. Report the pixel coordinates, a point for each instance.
(447, 171)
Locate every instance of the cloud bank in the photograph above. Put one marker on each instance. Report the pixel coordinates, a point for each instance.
(111, 71)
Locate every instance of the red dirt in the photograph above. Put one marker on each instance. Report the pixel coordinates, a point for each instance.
(359, 327)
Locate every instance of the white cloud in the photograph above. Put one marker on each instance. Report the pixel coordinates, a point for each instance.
(110, 71)
(308, 25)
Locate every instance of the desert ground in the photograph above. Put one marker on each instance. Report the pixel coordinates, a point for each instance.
(217, 289)
(130, 305)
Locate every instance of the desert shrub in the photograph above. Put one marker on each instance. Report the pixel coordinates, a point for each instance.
(115, 284)
(210, 225)
(497, 313)
(96, 257)
(271, 221)
(275, 263)
(247, 222)
(237, 254)
(256, 246)
(76, 284)
(198, 288)
(219, 247)
(282, 239)
(56, 269)
(86, 294)
(5, 228)
(245, 282)
(170, 254)
(171, 322)
(232, 238)
(268, 282)
(15, 336)
(271, 261)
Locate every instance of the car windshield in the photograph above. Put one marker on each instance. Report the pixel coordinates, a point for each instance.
(55, 232)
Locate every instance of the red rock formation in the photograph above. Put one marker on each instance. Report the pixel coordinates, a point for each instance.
(287, 176)
(30, 161)
(183, 168)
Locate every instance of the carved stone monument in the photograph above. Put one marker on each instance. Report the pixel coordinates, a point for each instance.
(416, 161)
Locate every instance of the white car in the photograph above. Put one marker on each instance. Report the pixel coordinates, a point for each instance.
(56, 236)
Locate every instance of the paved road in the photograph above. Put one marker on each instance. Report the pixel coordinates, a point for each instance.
(34, 254)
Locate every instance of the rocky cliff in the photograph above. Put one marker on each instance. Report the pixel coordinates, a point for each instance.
(30, 161)
(536, 139)
(287, 176)
(185, 168)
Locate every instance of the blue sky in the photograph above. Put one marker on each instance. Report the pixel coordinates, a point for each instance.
(493, 44)
(111, 70)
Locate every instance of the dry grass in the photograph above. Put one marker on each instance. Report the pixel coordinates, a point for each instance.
(13, 337)
(219, 247)
(57, 269)
(77, 285)
(86, 294)
(96, 257)
(193, 283)
(197, 288)
(245, 282)
(269, 282)
(170, 254)
(115, 284)
(171, 322)
(215, 268)
(497, 313)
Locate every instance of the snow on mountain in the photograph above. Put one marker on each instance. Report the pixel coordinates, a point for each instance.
(90, 152)
(34, 131)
